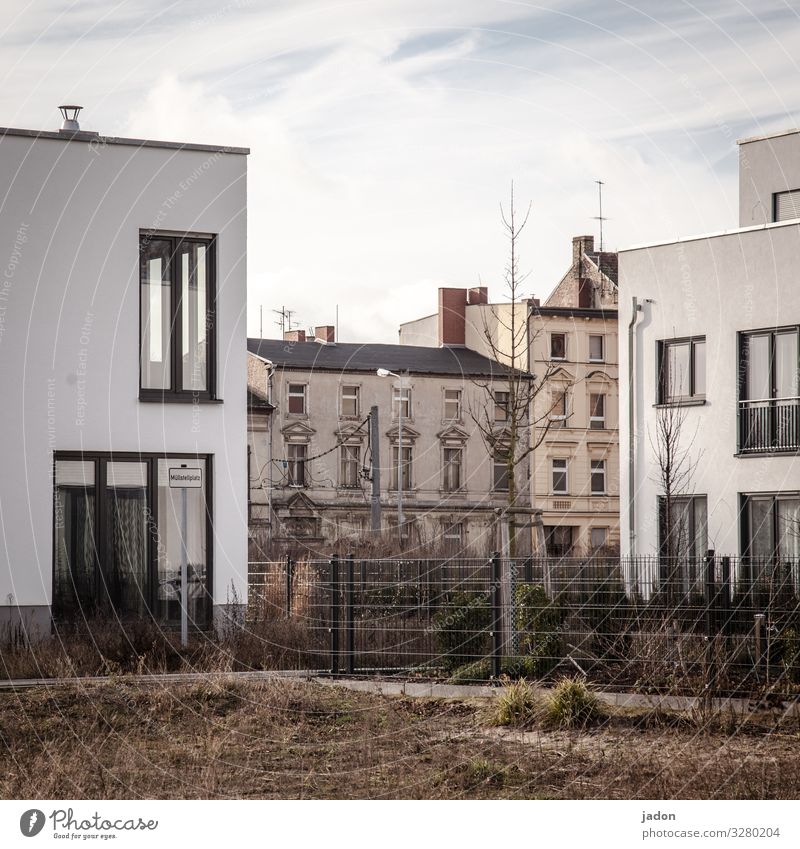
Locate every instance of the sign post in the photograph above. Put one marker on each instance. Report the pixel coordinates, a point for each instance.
(183, 478)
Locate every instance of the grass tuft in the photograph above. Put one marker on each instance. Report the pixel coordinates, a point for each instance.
(516, 706)
(572, 704)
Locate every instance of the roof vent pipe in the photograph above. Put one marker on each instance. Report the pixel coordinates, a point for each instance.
(70, 116)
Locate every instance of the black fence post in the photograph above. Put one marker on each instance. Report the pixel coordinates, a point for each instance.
(334, 629)
(727, 595)
(497, 615)
(349, 614)
(711, 594)
(289, 585)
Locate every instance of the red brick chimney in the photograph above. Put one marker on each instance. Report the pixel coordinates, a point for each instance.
(478, 295)
(325, 333)
(452, 316)
(294, 336)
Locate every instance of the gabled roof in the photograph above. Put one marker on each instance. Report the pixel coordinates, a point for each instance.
(350, 356)
(605, 262)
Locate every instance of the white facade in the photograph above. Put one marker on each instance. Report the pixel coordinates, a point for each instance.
(743, 450)
(73, 211)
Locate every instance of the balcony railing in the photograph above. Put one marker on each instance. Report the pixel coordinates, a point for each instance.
(769, 425)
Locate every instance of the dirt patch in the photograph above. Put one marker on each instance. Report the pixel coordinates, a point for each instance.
(293, 739)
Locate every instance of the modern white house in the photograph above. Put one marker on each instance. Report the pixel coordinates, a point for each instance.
(123, 374)
(709, 333)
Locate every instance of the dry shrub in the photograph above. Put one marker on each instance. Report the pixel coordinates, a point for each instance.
(516, 705)
(573, 705)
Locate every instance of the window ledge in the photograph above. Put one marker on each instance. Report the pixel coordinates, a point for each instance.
(175, 398)
(788, 452)
(690, 402)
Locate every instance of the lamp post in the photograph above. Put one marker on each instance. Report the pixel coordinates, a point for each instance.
(384, 372)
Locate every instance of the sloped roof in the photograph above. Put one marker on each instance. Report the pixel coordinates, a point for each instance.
(350, 356)
(606, 262)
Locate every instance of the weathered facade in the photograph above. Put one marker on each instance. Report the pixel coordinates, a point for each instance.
(311, 460)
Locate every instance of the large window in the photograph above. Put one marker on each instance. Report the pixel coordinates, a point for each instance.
(501, 406)
(682, 370)
(771, 527)
(122, 528)
(451, 469)
(683, 533)
(559, 408)
(177, 317)
(558, 346)
(769, 391)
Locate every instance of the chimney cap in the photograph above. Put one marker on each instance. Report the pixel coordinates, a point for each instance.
(69, 113)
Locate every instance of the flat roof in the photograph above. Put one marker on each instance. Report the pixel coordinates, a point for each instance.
(699, 238)
(575, 312)
(89, 137)
(768, 136)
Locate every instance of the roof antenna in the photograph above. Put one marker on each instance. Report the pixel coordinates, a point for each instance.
(600, 217)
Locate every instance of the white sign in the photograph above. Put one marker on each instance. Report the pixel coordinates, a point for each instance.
(186, 478)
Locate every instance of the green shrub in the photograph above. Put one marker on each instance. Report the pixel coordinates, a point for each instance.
(516, 705)
(539, 622)
(573, 705)
(789, 647)
(467, 673)
(461, 629)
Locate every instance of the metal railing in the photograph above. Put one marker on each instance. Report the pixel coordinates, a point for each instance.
(771, 424)
(624, 623)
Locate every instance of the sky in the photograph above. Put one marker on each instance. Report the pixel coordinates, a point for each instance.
(385, 134)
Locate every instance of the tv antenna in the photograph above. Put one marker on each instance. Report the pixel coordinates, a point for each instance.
(601, 218)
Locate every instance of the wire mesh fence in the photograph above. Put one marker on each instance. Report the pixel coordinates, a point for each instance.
(722, 624)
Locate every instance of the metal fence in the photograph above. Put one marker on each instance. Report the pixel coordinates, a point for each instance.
(722, 623)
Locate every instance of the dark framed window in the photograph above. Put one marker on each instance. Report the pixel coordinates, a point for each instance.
(770, 524)
(558, 346)
(118, 541)
(681, 370)
(769, 390)
(451, 469)
(684, 533)
(177, 317)
(559, 476)
(558, 540)
(296, 453)
(598, 477)
(786, 205)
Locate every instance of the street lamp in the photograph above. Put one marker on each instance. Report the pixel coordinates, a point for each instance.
(384, 372)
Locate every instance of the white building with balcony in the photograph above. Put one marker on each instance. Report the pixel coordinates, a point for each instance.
(710, 333)
(123, 374)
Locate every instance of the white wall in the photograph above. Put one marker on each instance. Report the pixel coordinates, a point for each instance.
(766, 166)
(717, 287)
(69, 333)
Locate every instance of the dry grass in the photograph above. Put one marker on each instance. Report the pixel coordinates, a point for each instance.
(290, 739)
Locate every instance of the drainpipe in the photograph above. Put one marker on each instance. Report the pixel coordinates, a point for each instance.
(631, 451)
(270, 424)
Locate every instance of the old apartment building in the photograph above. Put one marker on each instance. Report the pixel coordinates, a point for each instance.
(570, 345)
(311, 458)
(574, 344)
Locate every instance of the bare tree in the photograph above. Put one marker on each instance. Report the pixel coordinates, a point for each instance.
(676, 467)
(505, 409)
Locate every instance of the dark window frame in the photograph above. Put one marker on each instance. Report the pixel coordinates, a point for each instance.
(603, 470)
(775, 196)
(176, 392)
(661, 371)
(745, 530)
(101, 459)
